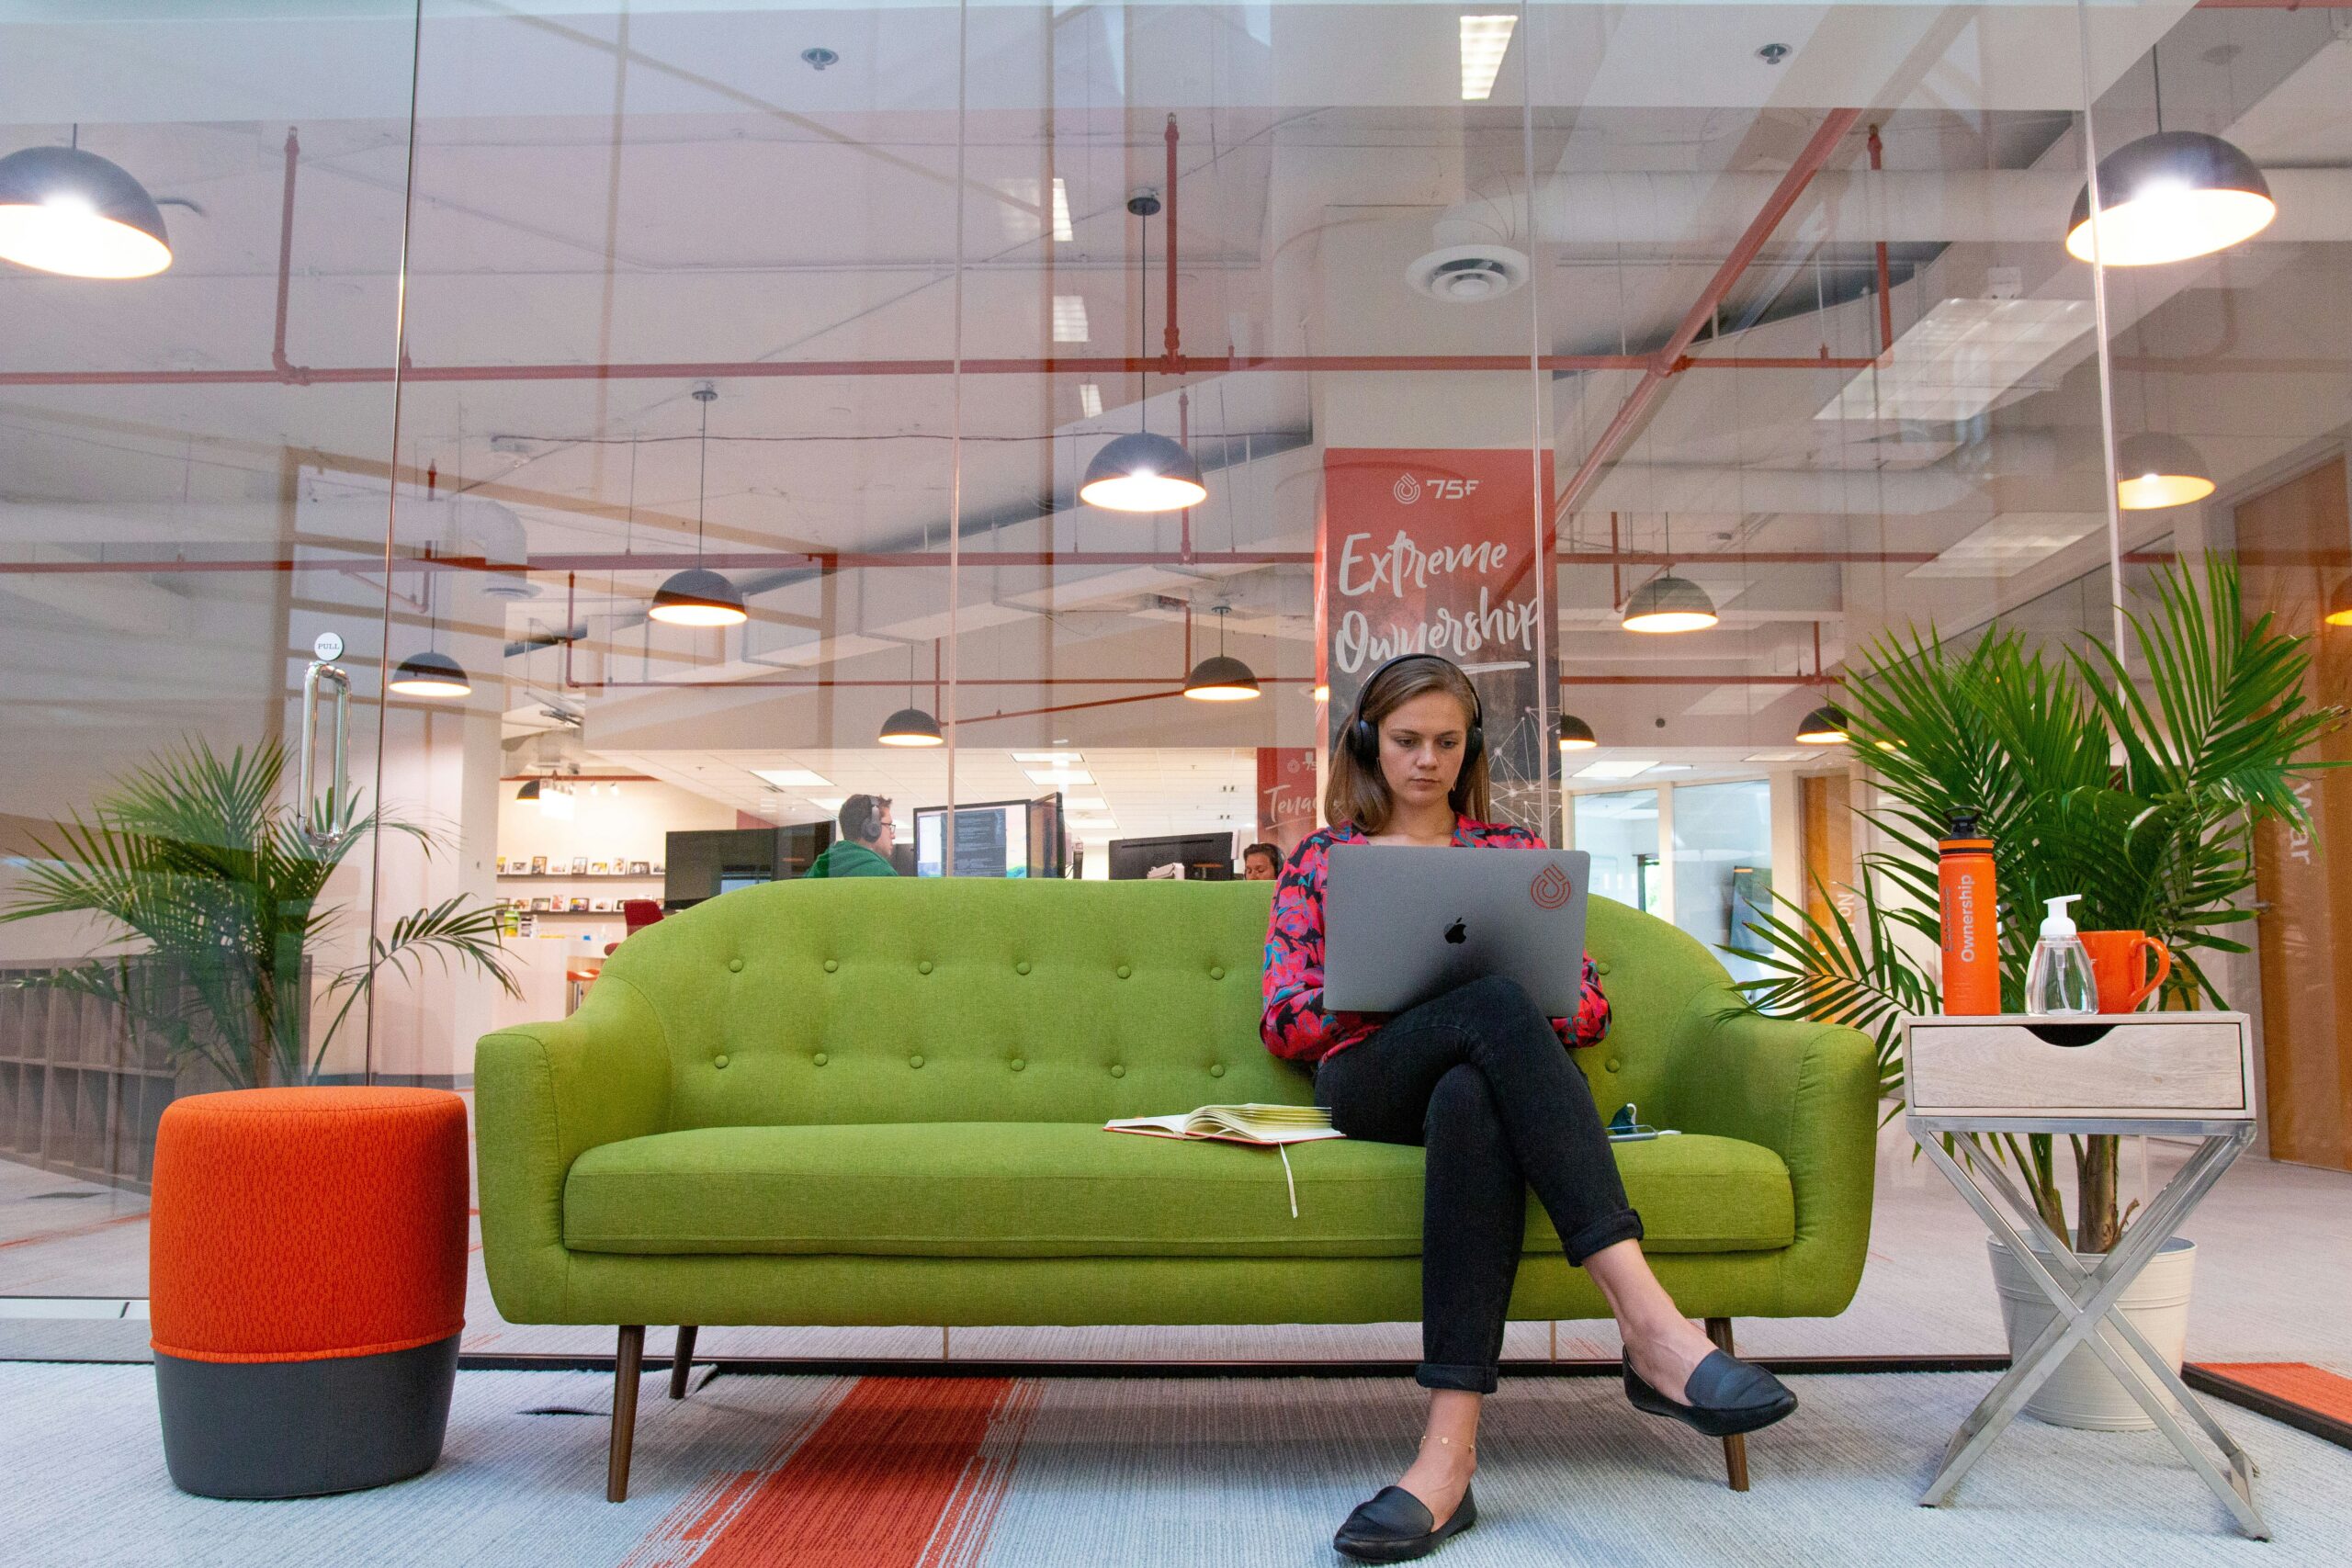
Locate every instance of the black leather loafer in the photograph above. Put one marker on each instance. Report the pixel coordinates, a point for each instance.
(1727, 1396)
(1395, 1527)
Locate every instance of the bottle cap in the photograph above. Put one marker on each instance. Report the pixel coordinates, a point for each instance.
(2059, 923)
(1963, 824)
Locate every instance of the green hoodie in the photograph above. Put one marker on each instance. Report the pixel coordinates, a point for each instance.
(842, 858)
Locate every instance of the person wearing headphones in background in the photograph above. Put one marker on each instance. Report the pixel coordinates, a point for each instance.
(868, 837)
(1480, 1078)
(1261, 862)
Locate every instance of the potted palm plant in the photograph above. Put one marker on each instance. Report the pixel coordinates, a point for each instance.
(2140, 792)
(217, 900)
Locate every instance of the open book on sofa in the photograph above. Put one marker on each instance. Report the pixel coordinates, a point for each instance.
(1237, 1125)
(1270, 1126)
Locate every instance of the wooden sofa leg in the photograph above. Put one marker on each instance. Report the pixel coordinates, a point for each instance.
(682, 1361)
(1735, 1446)
(628, 1364)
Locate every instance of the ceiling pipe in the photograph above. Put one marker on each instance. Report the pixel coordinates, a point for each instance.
(813, 564)
(1790, 185)
(1905, 206)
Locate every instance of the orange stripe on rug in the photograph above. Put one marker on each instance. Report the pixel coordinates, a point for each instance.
(705, 1511)
(92, 1228)
(2298, 1382)
(903, 1472)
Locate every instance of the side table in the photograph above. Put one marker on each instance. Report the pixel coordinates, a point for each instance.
(2175, 1075)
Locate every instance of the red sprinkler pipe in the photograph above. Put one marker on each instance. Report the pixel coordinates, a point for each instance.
(1885, 291)
(1168, 335)
(1664, 363)
(286, 367)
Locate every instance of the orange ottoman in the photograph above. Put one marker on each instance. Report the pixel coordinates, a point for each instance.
(306, 1284)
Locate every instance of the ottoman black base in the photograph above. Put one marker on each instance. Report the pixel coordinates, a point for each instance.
(303, 1428)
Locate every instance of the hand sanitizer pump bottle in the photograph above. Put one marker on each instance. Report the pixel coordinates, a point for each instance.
(2058, 979)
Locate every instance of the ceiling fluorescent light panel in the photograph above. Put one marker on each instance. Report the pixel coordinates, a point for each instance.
(1962, 357)
(1484, 41)
(1616, 768)
(2010, 542)
(1069, 319)
(792, 778)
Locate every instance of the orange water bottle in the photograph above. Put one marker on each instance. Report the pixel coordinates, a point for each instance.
(1972, 945)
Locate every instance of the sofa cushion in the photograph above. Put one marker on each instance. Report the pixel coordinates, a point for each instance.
(1070, 1189)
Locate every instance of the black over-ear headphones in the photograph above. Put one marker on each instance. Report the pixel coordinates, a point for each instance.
(1362, 737)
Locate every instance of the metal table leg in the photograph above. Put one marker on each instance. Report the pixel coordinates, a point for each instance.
(2085, 1300)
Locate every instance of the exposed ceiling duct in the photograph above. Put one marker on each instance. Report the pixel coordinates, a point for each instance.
(1925, 206)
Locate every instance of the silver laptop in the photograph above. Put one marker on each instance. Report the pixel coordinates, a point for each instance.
(1402, 925)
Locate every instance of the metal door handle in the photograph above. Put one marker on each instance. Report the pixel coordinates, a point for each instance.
(327, 833)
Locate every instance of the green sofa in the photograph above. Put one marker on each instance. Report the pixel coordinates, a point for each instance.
(880, 1102)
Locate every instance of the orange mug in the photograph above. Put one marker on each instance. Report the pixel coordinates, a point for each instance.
(2117, 966)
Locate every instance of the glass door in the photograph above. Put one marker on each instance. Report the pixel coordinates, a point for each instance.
(197, 439)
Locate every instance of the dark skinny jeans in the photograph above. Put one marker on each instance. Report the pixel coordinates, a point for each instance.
(1478, 1077)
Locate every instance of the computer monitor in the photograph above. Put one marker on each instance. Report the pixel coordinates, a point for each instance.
(1205, 857)
(992, 839)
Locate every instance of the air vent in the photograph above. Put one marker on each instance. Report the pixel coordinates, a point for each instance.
(1468, 275)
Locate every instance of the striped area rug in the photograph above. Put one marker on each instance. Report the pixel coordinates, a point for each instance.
(989, 1473)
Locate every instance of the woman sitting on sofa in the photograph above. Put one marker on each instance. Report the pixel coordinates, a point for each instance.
(1478, 1077)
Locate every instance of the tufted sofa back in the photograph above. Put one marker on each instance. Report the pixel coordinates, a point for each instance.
(888, 1000)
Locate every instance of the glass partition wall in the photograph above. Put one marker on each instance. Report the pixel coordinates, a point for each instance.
(706, 408)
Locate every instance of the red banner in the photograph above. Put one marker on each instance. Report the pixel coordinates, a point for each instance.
(1285, 795)
(1433, 552)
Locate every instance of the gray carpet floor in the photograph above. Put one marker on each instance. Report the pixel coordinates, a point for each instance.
(1189, 1471)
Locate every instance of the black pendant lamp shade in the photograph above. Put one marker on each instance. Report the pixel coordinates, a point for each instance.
(1218, 679)
(1143, 472)
(2339, 605)
(2153, 469)
(530, 790)
(2169, 196)
(68, 211)
(1576, 735)
(431, 673)
(698, 597)
(1825, 726)
(1668, 603)
(911, 726)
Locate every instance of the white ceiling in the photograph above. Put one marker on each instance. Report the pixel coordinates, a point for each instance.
(741, 208)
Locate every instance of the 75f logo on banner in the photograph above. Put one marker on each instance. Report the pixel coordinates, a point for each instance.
(1408, 490)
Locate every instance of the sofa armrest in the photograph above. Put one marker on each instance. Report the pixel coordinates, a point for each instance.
(1808, 1093)
(544, 1094)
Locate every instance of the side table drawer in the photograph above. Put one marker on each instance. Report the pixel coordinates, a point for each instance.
(2193, 1065)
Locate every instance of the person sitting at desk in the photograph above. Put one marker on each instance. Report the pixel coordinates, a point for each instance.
(1261, 862)
(1480, 1078)
(868, 837)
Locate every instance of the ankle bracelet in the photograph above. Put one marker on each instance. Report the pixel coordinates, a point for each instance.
(1450, 1443)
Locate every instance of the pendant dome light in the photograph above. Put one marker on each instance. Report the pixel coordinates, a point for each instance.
(2168, 197)
(1218, 679)
(2339, 605)
(697, 596)
(431, 672)
(1667, 603)
(2153, 469)
(1670, 603)
(529, 791)
(1143, 472)
(1576, 735)
(911, 725)
(67, 211)
(1825, 726)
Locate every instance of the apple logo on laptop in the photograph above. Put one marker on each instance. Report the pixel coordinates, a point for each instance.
(1458, 934)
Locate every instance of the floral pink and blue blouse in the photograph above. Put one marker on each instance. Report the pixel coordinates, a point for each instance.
(1295, 1024)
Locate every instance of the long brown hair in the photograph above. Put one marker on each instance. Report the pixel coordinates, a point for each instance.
(1359, 795)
